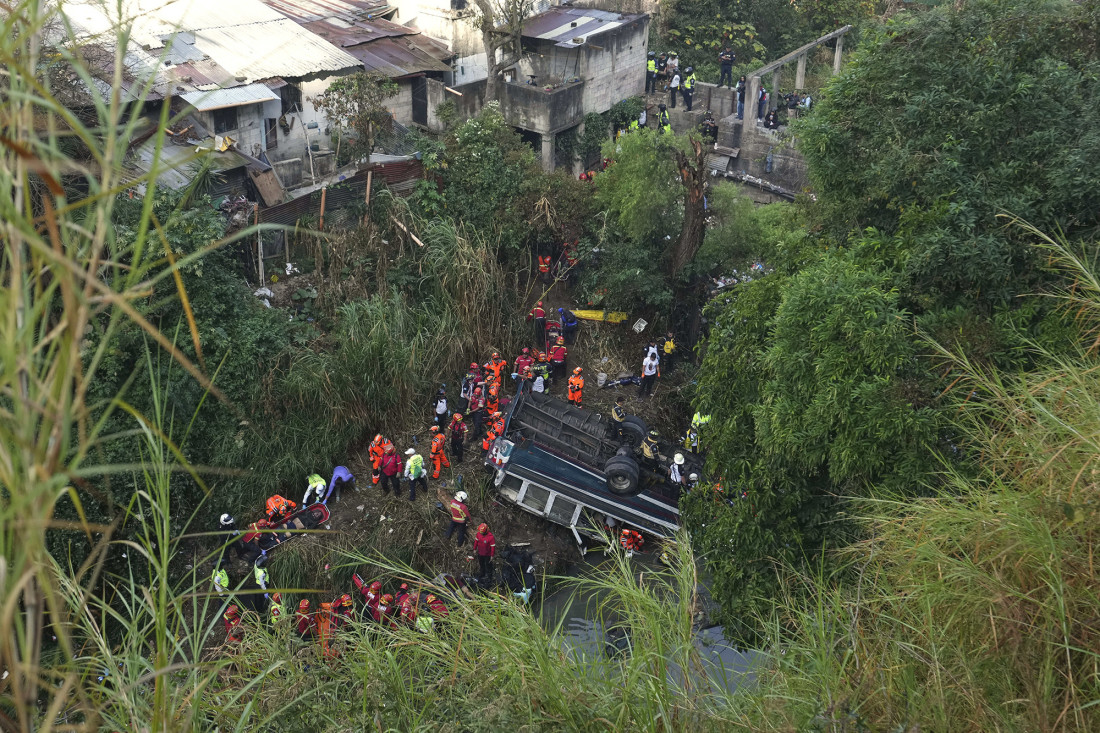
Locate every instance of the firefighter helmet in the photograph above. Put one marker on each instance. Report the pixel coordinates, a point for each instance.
(277, 597)
(375, 586)
(433, 429)
(483, 528)
(226, 520)
(303, 604)
(458, 416)
(461, 496)
(387, 599)
(577, 370)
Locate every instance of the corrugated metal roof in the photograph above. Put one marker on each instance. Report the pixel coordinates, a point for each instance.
(231, 97)
(305, 11)
(565, 25)
(275, 48)
(247, 38)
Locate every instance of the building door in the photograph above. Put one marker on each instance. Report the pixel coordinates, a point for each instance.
(420, 101)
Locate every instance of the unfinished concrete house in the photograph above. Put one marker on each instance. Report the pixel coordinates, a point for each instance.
(576, 61)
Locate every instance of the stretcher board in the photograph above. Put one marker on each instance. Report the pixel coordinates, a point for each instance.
(610, 317)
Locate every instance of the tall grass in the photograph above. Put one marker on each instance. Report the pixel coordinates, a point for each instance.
(492, 665)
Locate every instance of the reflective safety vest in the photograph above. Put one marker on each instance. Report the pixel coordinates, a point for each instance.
(618, 414)
(220, 577)
(276, 612)
(663, 122)
(669, 346)
(633, 125)
(699, 420)
(649, 448)
(689, 83)
(651, 66)
(459, 512)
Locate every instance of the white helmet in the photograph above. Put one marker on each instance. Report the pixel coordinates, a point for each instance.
(693, 477)
(678, 459)
(226, 520)
(461, 496)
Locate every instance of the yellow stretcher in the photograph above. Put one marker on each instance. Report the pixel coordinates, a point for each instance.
(610, 317)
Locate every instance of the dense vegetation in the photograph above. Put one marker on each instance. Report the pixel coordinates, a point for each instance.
(903, 397)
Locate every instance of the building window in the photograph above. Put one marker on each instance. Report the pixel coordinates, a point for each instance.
(272, 126)
(225, 120)
(291, 97)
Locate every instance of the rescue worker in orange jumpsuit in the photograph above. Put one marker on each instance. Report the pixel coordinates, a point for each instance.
(538, 314)
(492, 401)
(576, 387)
(631, 541)
(544, 267)
(458, 436)
(326, 627)
(376, 450)
(278, 508)
(558, 357)
(439, 457)
(307, 624)
(232, 620)
(496, 366)
(495, 429)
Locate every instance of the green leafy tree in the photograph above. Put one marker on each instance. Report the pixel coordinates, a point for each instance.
(821, 387)
(356, 103)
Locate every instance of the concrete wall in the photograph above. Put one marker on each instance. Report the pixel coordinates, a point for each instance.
(449, 21)
(532, 108)
(789, 169)
(616, 70)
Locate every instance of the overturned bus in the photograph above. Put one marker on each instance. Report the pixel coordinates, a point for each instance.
(565, 463)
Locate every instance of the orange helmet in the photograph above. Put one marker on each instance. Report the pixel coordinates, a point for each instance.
(483, 528)
(387, 599)
(277, 597)
(497, 413)
(433, 429)
(378, 438)
(458, 416)
(625, 533)
(431, 598)
(496, 355)
(345, 600)
(303, 605)
(577, 370)
(375, 586)
(542, 356)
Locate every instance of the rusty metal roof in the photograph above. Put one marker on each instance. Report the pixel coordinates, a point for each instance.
(397, 57)
(381, 46)
(570, 27)
(305, 11)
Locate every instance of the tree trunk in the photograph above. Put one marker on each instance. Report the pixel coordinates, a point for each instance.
(489, 41)
(693, 176)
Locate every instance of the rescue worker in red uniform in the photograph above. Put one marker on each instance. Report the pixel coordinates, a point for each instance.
(538, 315)
(384, 611)
(439, 457)
(307, 624)
(371, 594)
(437, 608)
(278, 508)
(344, 609)
(376, 450)
(576, 387)
(458, 436)
(524, 360)
(486, 546)
(460, 515)
(232, 620)
(477, 412)
(390, 468)
(495, 429)
(558, 356)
